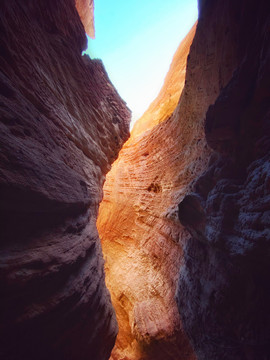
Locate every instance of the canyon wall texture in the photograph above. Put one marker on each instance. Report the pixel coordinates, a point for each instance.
(224, 286)
(138, 223)
(62, 125)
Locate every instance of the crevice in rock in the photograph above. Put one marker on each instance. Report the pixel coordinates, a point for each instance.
(153, 183)
(138, 227)
(188, 191)
(55, 117)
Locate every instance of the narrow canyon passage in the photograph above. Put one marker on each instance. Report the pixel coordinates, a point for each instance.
(142, 238)
(184, 220)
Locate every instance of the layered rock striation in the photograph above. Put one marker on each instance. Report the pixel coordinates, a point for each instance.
(223, 292)
(142, 238)
(62, 125)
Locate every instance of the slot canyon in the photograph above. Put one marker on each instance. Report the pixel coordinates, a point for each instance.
(149, 245)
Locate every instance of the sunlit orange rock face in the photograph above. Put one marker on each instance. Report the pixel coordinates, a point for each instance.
(164, 104)
(85, 9)
(139, 234)
(138, 223)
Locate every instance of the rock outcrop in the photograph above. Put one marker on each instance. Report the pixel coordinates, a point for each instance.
(224, 292)
(138, 220)
(85, 9)
(62, 125)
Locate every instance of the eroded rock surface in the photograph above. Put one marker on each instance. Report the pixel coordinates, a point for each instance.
(138, 219)
(224, 292)
(62, 125)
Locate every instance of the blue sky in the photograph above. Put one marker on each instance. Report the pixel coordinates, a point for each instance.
(136, 40)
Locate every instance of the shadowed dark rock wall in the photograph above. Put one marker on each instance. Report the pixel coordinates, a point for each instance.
(138, 218)
(62, 124)
(224, 292)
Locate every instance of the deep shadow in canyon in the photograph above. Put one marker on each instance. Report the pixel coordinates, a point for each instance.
(184, 222)
(58, 139)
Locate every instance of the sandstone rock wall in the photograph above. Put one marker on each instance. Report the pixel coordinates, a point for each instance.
(62, 125)
(85, 9)
(224, 292)
(138, 220)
